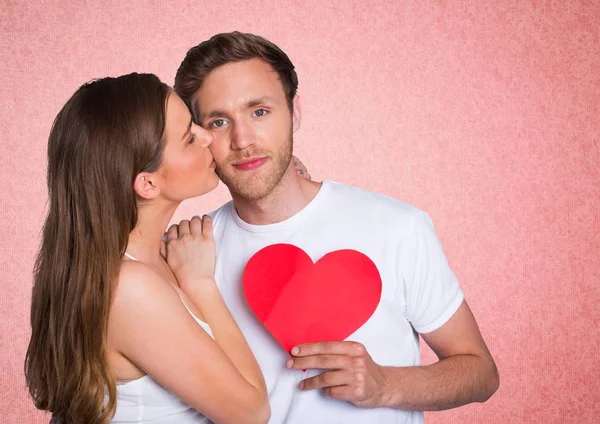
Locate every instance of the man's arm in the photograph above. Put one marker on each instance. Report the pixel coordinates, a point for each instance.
(465, 372)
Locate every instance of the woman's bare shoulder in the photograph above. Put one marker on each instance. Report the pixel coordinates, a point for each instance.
(138, 282)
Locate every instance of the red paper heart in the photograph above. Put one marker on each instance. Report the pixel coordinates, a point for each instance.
(301, 302)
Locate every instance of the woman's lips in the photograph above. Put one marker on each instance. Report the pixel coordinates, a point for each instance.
(250, 164)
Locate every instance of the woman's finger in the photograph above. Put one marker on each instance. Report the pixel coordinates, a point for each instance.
(172, 233)
(196, 225)
(184, 228)
(207, 226)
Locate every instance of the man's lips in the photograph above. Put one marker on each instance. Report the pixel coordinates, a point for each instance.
(248, 164)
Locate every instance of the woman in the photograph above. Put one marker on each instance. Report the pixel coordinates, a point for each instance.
(119, 334)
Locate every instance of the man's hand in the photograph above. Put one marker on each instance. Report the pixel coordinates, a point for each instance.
(465, 372)
(352, 375)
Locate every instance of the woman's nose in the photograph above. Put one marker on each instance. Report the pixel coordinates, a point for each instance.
(205, 137)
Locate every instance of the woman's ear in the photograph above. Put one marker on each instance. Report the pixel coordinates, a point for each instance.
(145, 185)
(296, 114)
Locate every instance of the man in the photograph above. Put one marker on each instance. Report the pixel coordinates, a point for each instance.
(243, 88)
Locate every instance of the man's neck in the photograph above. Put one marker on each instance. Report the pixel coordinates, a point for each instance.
(290, 196)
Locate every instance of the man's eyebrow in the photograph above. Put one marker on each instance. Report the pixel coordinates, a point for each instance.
(188, 130)
(213, 113)
(258, 101)
(246, 105)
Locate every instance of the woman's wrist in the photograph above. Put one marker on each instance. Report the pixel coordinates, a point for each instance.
(198, 286)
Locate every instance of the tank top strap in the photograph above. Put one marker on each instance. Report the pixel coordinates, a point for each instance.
(127, 255)
(203, 324)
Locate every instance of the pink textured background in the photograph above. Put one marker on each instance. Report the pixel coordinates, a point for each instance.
(484, 114)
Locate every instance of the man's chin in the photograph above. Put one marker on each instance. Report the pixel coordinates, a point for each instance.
(250, 192)
(251, 187)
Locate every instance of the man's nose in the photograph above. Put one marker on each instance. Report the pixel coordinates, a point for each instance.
(242, 136)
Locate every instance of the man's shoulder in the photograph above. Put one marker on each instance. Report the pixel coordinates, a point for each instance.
(369, 202)
(221, 212)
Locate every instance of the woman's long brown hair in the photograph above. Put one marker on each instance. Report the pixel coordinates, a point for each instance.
(108, 132)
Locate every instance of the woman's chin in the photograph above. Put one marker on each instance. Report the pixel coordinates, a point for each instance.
(211, 182)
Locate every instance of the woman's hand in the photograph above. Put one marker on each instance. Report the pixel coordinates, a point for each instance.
(300, 168)
(191, 251)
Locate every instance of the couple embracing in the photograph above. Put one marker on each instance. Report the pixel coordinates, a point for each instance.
(131, 325)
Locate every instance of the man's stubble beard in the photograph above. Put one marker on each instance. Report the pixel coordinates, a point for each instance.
(259, 185)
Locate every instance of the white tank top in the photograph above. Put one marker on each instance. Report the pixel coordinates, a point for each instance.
(144, 400)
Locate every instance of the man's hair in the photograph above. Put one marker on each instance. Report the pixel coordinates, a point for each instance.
(230, 47)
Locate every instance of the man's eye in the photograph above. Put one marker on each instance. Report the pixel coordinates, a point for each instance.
(217, 123)
(192, 139)
(260, 112)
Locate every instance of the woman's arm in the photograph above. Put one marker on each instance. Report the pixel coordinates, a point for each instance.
(150, 326)
(191, 255)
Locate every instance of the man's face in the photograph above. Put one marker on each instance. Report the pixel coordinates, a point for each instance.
(244, 105)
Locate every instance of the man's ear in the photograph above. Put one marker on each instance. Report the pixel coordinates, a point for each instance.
(145, 185)
(296, 114)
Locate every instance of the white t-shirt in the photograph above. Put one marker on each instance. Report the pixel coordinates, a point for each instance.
(419, 292)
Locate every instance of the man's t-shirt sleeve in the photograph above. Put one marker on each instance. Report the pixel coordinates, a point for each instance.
(431, 289)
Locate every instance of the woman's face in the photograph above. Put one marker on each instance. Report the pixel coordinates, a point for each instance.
(188, 169)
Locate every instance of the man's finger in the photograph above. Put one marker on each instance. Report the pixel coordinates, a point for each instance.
(339, 392)
(329, 348)
(327, 379)
(322, 362)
